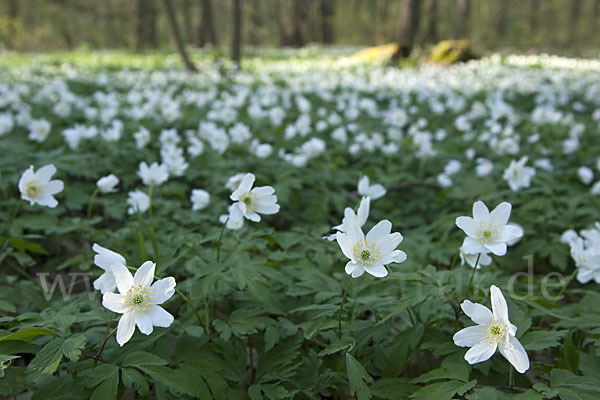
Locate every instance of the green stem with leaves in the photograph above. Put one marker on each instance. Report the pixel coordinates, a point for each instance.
(342, 307)
(91, 203)
(474, 269)
(101, 349)
(220, 239)
(151, 226)
(567, 282)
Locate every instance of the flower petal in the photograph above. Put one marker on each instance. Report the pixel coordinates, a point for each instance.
(480, 212)
(145, 274)
(376, 191)
(479, 313)
(162, 290)
(468, 225)
(468, 337)
(514, 352)
(143, 322)
(499, 307)
(125, 328)
(115, 302)
(45, 173)
(480, 352)
(345, 244)
(378, 271)
(473, 246)
(501, 214)
(380, 231)
(123, 277)
(106, 258)
(498, 248)
(159, 316)
(106, 282)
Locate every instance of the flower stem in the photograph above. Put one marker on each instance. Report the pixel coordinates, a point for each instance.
(342, 307)
(151, 227)
(101, 349)
(474, 269)
(454, 260)
(91, 203)
(12, 217)
(220, 239)
(511, 377)
(184, 297)
(567, 282)
(143, 254)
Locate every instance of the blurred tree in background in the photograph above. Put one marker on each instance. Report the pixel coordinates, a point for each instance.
(40, 25)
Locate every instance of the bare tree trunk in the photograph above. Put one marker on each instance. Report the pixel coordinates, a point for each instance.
(502, 18)
(327, 12)
(13, 13)
(574, 12)
(207, 33)
(595, 15)
(462, 23)
(177, 37)
(187, 20)
(297, 37)
(236, 44)
(431, 34)
(145, 24)
(410, 25)
(534, 6)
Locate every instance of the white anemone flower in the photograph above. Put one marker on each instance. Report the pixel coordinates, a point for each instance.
(138, 300)
(361, 215)
(493, 331)
(36, 187)
(471, 259)
(373, 252)
(373, 191)
(200, 199)
(488, 231)
(108, 184)
(105, 259)
(154, 174)
(518, 175)
(251, 202)
(234, 220)
(138, 202)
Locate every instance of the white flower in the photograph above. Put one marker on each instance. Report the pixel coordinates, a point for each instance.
(107, 184)
(372, 253)
(518, 175)
(373, 191)
(586, 175)
(568, 236)
(452, 167)
(200, 199)
(36, 187)
(234, 220)
(471, 259)
(251, 202)
(138, 201)
(484, 167)
(154, 174)
(493, 331)
(488, 231)
(139, 301)
(142, 137)
(234, 181)
(596, 188)
(361, 215)
(105, 259)
(39, 129)
(444, 181)
(587, 260)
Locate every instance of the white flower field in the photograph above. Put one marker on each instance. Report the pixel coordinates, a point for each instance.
(310, 227)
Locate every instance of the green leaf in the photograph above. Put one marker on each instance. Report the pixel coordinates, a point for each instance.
(453, 371)
(539, 340)
(140, 358)
(48, 358)
(569, 356)
(357, 376)
(132, 379)
(346, 344)
(443, 390)
(28, 333)
(392, 388)
(4, 359)
(105, 378)
(167, 377)
(72, 347)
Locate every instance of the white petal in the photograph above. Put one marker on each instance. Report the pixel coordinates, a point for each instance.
(363, 185)
(379, 231)
(45, 173)
(355, 234)
(115, 302)
(263, 191)
(480, 352)
(468, 225)
(468, 337)
(479, 313)
(145, 274)
(358, 271)
(53, 187)
(511, 233)
(345, 244)
(480, 212)
(125, 328)
(253, 216)
(159, 316)
(106, 258)
(267, 209)
(501, 214)
(350, 267)
(363, 210)
(244, 187)
(162, 290)
(498, 248)
(514, 352)
(499, 306)
(376, 191)
(378, 271)
(473, 246)
(143, 322)
(47, 201)
(123, 277)
(106, 282)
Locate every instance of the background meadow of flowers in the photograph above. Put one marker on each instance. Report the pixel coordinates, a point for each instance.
(262, 321)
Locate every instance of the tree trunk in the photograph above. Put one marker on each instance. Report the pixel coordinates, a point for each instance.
(297, 38)
(236, 43)
(187, 20)
(177, 37)
(327, 12)
(574, 12)
(431, 34)
(13, 13)
(207, 33)
(410, 24)
(534, 6)
(145, 24)
(462, 23)
(595, 15)
(502, 18)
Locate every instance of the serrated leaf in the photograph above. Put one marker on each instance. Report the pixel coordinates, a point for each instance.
(132, 379)
(539, 340)
(48, 358)
(140, 358)
(443, 390)
(28, 333)
(357, 376)
(72, 347)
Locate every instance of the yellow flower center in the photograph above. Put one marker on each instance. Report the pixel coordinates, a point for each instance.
(33, 189)
(366, 252)
(494, 332)
(138, 297)
(488, 234)
(249, 199)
